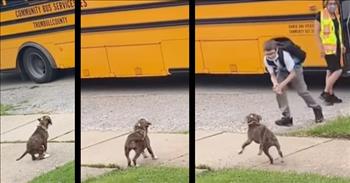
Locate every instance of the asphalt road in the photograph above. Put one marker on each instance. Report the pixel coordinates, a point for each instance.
(222, 102)
(28, 97)
(117, 104)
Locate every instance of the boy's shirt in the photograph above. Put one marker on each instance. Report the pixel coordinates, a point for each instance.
(288, 60)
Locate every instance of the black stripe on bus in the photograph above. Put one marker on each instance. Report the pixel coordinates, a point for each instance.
(134, 7)
(280, 18)
(135, 26)
(211, 2)
(62, 13)
(31, 33)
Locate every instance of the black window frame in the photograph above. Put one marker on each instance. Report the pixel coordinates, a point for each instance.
(23, 4)
(345, 14)
(10, 5)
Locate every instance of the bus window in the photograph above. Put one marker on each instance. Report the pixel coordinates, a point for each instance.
(14, 3)
(2, 3)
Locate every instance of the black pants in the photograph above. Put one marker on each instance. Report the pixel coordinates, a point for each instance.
(333, 61)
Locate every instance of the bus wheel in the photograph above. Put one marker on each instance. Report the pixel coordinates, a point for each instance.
(37, 66)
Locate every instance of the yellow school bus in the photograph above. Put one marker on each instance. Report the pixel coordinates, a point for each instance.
(126, 38)
(230, 34)
(37, 37)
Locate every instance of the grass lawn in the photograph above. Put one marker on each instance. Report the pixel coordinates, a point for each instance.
(143, 175)
(4, 109)
(62, 174)
(338, 128)
(257, 176)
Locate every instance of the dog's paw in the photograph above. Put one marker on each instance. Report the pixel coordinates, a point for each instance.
(240, 152)
(155, 158)
(46, 155)
(137, 165)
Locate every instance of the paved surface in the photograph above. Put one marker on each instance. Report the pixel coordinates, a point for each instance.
(118, 104)
(108, 148)
(219, 150)
(223, 102)
(110, 108)
(28, 97)
(26, 169)
(17, 129)
(323, 156)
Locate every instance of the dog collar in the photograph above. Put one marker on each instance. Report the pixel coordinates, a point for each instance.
(253, 122)
(43, 127)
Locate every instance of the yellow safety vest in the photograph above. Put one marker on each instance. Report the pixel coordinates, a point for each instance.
(327, 34)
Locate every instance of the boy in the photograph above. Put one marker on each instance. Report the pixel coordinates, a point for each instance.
(282, 74)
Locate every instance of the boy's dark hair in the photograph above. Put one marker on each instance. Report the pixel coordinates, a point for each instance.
(270, 45)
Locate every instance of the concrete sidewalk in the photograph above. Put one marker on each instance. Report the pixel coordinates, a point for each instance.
(219, 150)
(305, 155)
(104, 148)
(15, 131)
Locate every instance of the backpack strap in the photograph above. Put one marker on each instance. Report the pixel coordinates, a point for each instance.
(281, 57)
(272, 64)
(280, 60)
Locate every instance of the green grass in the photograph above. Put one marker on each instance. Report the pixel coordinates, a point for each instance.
(63, 174)
(143, 175)
(4, 108)
(257, 176)
(338, 128)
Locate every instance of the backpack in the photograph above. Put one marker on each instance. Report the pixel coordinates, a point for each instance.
(285, 44)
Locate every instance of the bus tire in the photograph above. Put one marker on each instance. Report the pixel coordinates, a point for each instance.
(37, 66)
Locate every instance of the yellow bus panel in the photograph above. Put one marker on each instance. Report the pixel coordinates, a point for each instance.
(133, 38)
(230, 34)
(32, 30)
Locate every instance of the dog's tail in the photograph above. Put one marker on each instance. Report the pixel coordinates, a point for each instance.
(22, 155)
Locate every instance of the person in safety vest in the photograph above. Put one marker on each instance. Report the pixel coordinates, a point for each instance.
(284, 70)
(328, 32)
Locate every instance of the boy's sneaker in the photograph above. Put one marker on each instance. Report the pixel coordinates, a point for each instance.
(318, 114)
(324, 95)
(328, 101)
(335, 99)
(285, 121)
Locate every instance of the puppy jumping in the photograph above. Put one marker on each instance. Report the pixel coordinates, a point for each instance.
(260, 134)
(139, 125)
(37, 143)
(138, 141)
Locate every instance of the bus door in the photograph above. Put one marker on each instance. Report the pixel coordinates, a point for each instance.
(345, 12)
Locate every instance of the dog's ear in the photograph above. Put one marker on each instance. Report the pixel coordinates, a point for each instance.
(247, 118)
(40, 119)
(50, 121)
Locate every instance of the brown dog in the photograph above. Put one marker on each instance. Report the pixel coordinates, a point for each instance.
(37, 143)
(139, 125)
(260, 134)
(138, 141)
